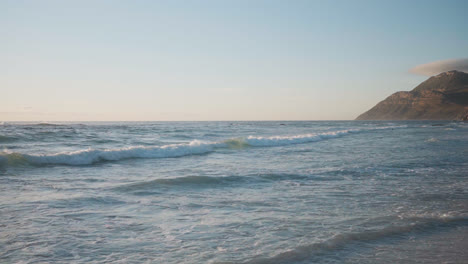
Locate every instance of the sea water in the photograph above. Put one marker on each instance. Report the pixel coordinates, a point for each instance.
(234, 192)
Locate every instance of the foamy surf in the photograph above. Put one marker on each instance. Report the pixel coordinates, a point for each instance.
(195, 147)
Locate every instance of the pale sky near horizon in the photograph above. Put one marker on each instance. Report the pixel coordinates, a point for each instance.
(218, 60)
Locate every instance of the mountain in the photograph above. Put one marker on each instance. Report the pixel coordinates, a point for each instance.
(441, 97)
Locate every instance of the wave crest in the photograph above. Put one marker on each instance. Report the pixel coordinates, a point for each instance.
(179, 182)
(201, 181)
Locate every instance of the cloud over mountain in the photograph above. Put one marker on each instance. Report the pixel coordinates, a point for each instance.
(436, 67)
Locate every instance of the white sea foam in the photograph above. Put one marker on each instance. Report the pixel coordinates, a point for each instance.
(90, 156)
(298, 139)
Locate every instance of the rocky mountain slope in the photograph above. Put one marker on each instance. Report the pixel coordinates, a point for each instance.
(441, 97)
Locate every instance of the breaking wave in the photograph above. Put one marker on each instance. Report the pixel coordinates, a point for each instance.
(196, 147)
(90, 156)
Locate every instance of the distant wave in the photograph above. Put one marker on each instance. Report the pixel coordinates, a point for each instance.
(40, 124)
(311, 251)
(48, 124)
(4, 139)
(90, 156)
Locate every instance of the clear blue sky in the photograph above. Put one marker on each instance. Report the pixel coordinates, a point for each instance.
(217, 60)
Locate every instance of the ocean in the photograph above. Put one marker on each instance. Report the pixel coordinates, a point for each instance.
(234, 192)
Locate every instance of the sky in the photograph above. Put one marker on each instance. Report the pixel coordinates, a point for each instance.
(219, 60)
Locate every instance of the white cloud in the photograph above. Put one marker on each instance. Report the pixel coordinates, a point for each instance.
(436, 67)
